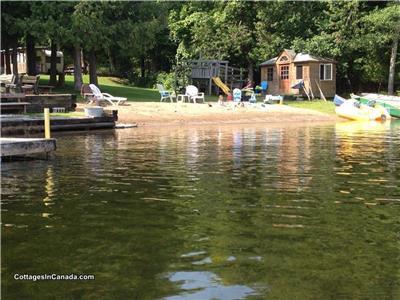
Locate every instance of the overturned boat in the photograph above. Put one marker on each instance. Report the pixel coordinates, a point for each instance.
(354, 110)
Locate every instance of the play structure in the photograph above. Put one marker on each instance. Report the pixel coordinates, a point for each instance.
(215, 75)
(218, 82)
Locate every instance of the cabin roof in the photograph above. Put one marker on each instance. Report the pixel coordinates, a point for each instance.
(269, 62)
(298, 57)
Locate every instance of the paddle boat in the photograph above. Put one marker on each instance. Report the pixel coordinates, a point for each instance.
(354, 110)
(390, 103)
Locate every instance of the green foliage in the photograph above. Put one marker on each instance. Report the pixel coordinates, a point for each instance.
(167, 79)
(182, 75)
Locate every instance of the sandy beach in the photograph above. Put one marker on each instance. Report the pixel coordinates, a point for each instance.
(167, 114)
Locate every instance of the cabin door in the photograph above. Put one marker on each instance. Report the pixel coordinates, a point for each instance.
(284, 86)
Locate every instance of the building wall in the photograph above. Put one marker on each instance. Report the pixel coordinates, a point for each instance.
(273, 86)
(328, 87)
(310, 76)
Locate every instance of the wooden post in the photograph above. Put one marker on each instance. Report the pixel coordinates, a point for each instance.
(320, 91)
(46, 123)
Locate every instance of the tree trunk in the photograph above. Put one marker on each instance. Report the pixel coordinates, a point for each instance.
(92, 67)
(392, 66)
(53, 64)
(14, 54)
(84, 64)
(142, 67)
(250, 69)
(61, 80)
(30, 55)
(7, 59)
(77, 68)
(111, 62)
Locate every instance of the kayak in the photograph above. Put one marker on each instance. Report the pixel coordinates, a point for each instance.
(337, 100)
(390, 103)
(354, 110)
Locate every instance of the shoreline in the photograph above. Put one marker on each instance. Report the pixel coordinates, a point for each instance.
(153, 114)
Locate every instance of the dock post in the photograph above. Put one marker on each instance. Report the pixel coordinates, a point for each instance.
(46, 123)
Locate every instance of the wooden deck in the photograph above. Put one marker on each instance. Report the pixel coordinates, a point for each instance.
(11, 147)
(12, 125)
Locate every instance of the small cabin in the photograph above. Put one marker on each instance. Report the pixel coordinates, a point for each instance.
(289, 69)
(42, 58)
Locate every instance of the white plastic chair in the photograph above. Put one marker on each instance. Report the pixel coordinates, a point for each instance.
(164, 93)
(193, 93)
(106, 97)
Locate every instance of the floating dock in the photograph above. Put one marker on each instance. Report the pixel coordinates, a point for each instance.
(12, 147)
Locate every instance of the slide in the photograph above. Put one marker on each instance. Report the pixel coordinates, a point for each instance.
(221, 85)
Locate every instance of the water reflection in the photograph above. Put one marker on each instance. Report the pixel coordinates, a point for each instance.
(206, 285)
(49, 187)
(194, 213)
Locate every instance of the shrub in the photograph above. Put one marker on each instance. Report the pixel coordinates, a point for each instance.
(166, 79)
(135, 79)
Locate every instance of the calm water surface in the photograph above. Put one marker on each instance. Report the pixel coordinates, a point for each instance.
(208, 213)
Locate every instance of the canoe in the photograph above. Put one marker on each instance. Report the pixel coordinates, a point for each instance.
(390, 103)
(353, 110)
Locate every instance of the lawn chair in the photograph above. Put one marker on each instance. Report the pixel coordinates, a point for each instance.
(164, 94)
(87, 94)
(193, 93)
(237, 95)
(99, 96)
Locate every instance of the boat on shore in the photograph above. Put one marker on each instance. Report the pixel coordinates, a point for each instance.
(354, 110)
(390, 103)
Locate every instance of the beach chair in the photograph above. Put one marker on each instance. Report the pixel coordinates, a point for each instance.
(193, 94)
(99, 96)
(270, 98)
(237, 95)
(87, 94)
(164, 93)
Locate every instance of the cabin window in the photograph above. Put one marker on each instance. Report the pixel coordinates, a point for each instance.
(284, 58)
(299, 72)
(270, 74)
(325, 72)
(284, 72)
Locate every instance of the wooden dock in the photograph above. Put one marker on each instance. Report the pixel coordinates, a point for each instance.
(12, 147)
(12, 125)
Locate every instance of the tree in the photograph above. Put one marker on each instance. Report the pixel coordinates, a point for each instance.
(220, 30)
(13, 29)
(52, 21)
(95, 24)
(384, 29)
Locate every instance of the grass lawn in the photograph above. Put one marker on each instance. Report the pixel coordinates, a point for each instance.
(319, 105)
(113, 86)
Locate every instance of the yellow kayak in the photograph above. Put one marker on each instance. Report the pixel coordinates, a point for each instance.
(353, 110)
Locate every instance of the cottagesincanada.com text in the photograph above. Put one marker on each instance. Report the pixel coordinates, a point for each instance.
(38, 277)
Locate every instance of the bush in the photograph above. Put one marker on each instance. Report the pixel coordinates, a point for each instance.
(134, 78)
(166, 79)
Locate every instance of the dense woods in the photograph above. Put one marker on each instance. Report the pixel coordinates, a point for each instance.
(142, 40)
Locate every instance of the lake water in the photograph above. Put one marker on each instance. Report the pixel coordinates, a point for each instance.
(243, 212)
